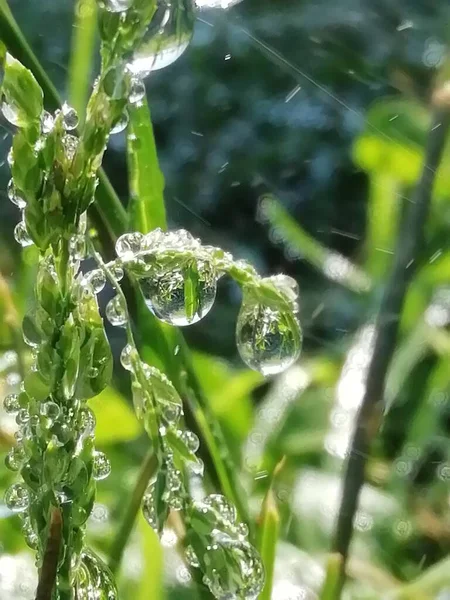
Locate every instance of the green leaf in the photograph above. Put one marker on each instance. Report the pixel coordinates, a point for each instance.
(23, 92)
(146, 210)
(116, 421)
(84, 30)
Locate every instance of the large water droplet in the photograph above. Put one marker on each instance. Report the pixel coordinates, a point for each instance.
(97, 280)
(17, 498)
(116, 5)
(148, 507)
(14, 195)
(11, 404)
(269, 339)
(70, 143)
(102, 466)
(21, 235)
(117, 272)
(167, 36)
(94, 580)
(47, 123)
(126, 357)
(171, 413)
(121, 123)
(190, 440)
(70, 117)
(50, 410)
(22, 417)
(181, 296)
(116, 312)
(223, 4)
(11, 113)
(137, 90)
(15, 458)
(128, 245)
(223, 509)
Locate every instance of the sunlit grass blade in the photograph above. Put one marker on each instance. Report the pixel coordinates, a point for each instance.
(146, 210)
(300, 244)
(152, 579)
(83, 42)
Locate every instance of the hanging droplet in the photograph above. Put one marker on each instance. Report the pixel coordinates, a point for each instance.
(17, 498)
(11, 404)
(116, 5)
(128, 245)
(191, 557)
(11, 113)
(47, 123)
(181, 296)
(269, 339)
(171, 413)
(137, 90)
(22, 417)
(175, 502)
(97, 280)
(21, 235)
(14, 195)
(70, 117)
(116, 312)
(196, 468)
(77, 247)
(50, 410)
(87, 423)
(70, 144)
(126, 357)
(190, 440)
(167, 37)
(102, 466)
(15, 458)
(220, 505)
(121, 124)
(117, 272)
(94, 580)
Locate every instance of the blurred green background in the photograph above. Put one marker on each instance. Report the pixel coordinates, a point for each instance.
(291, 134)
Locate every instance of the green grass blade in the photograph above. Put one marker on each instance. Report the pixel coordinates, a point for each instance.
(147, 210)
(330, 588)
(152, 580)
(270, 524)
(83, 42)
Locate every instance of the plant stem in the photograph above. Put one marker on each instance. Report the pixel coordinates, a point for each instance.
(47, 576)
(410, 240)
(129, 517)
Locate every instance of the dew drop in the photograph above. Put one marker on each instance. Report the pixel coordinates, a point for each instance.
(116, 5)
(167, 37)
(137, 90)
(87, 423)
(14, 195)
(223, 4)
(121, 124)
(15, 458)
(50, 410)
(220, 505)
(47, 123)
(269, 340)
(11, 113)
(97, 280)
(94, 581)
(128, 245)
(171, 413)
(77, 247)
(117, 272)
(21, 235)
(190, 440)
(70, 117)
(181, 296)
(17, 498)
(148, 507)
(11, 404)
(22, 417)
(116, 312)
(93, 372)
(126, 357)
(70, 144)
(102, 466)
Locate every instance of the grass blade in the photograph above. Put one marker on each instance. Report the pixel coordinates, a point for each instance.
(83, 42)
(330, 588)
(146, 210)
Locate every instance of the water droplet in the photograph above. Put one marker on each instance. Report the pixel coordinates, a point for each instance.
(175, 502)
(242, 530)
(77, 247)
(11, 404)
(128, 245)
(17, 498)
(87, 422)
(137, 90)
(102, 466)
(21, 235)
(171, 413)
(181, 296)
(126, 357)
(167, 37)
(11, 113)
(121, 124)
(117, 272)
(191, 440)
(15, 458)
(196, 468)
(93, 372)
(268, 339)
(223, 4)
(97, 280)
(22, 417)
(191, 557)
(50, 410)
(116, 5)
(14, 195)
(94, 580)
(70, 143)
(148, 507)
(116, 312)
(70, 117)
(47, 123)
